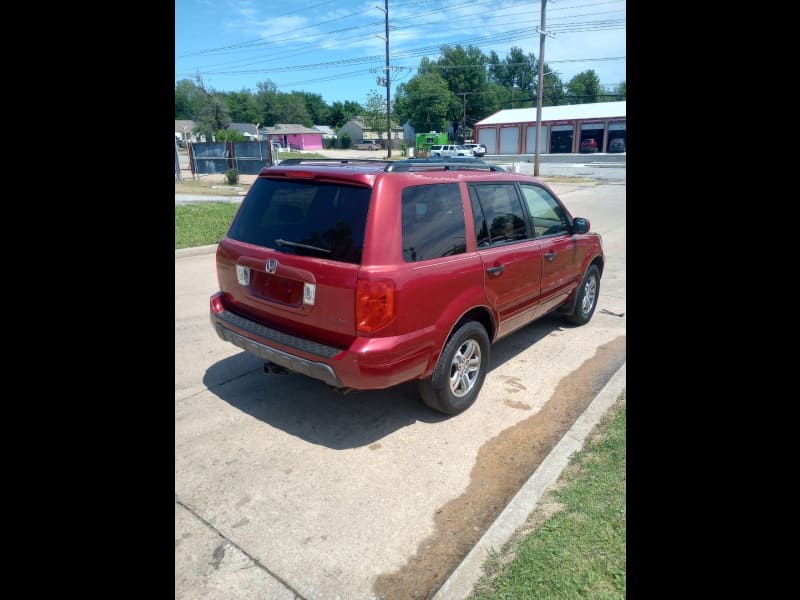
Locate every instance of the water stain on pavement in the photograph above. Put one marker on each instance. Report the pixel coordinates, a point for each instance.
(503, 465)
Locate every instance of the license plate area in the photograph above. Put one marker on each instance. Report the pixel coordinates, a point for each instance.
(276, 288)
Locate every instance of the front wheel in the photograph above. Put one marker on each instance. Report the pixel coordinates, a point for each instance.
(458, 377)
(586, 300)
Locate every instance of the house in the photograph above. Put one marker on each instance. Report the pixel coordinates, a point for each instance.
(327, 132)
(248, 130)
(294, 136)
(358, 130)
(184, 132)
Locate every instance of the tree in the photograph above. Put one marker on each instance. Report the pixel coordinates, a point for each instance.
(317, 108)
(374, 115)
(214, 113)
(423, 102)
(189, 100)
(553, 89)
(518, 73)
(584, 88)
(266, 99)
(243, 107)
(620, 93)
(464, 69)
(341, 112)
(229, 135)
(290, 108)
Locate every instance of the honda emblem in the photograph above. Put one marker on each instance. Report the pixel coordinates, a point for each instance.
(272, 265)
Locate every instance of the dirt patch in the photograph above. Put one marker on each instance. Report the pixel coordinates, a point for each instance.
(503, 465)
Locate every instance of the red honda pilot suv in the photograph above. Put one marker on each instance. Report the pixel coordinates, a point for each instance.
(365, 274)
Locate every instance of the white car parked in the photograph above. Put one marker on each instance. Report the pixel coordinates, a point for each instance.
(450, 150)
(477, 149)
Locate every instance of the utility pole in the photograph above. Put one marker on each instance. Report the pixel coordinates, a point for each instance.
(464, 121)
(540, 90)
(388, 88)
(178, 176)
(464, 117)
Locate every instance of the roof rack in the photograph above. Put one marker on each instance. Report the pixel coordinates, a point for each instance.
(409, 164)
(448, 164)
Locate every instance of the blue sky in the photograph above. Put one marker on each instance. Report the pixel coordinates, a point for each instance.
(337, 49)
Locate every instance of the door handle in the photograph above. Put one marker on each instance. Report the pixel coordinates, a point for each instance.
(549, 256)
(495, 271)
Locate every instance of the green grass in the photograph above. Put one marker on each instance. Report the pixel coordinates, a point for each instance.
(566, 179)
(203, 223)
(209, 186)
(579, 550)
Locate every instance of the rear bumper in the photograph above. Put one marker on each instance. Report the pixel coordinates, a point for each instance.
(225, 321)
(370, 363)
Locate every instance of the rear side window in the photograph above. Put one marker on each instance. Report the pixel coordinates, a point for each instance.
(498, 214)
(433, 222)
(304, 218)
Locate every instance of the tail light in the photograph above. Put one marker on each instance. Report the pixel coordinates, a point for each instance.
(374, 304)
(216, 303)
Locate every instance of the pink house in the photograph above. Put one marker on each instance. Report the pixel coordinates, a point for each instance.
(295, 137)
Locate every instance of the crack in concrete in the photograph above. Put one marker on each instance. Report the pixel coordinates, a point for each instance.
(219, 552)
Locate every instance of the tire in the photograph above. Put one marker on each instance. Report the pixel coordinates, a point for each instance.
(458, 376)
(586, 298)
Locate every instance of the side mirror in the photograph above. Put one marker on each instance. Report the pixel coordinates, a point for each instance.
(580, 225)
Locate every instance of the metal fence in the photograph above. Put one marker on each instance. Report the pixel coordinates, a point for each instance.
(209, 158)
(250, 157)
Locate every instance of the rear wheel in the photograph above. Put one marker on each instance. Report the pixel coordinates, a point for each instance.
(586, 300)
(458, 377)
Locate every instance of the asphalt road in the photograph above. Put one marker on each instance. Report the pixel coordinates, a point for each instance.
(284, 489)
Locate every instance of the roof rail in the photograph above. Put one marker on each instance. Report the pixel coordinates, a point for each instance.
(409, 164)
(451, 164)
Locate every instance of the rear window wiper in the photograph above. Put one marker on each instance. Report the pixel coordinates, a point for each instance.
(281, 242)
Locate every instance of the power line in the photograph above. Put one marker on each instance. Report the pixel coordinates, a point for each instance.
(512, 35)
(493, 39)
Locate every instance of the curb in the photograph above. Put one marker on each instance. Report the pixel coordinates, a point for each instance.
(184, 252)
(461, 581)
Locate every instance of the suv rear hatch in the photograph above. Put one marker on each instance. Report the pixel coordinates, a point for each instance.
(292, 255)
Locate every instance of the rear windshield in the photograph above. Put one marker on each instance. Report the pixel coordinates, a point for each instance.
(304, 218)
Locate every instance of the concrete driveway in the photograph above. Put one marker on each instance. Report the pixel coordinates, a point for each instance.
(285, 489)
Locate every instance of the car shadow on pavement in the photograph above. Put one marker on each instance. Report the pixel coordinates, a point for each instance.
(310, 410)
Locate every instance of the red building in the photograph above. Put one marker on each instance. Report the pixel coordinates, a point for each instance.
(564, 128)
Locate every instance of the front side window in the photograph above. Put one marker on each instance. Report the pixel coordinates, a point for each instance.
(498, 214)
(433, 222)
(547, 215)
(304, 218)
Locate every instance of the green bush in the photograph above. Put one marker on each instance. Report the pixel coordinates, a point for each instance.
(345, 141)
(232, 176)
(229, 135)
